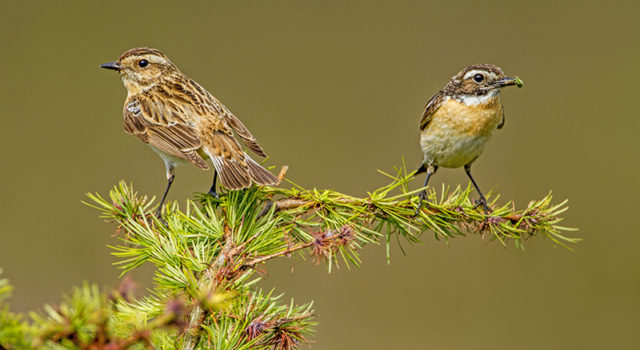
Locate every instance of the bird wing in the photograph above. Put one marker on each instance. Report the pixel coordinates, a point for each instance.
(236, 169)
(244, 133)
(432, 106)
(157, 124)
(501, 122)
(220, 111)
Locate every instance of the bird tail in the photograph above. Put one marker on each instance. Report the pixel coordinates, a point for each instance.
(259, 174)
(236, 175)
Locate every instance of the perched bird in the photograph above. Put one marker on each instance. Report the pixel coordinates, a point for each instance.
(183, 122)
(459, 120)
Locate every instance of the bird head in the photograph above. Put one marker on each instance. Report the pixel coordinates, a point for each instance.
(141, 68)
(479, 80)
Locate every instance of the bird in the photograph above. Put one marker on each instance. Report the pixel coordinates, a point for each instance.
(183, 123)
(459, 120)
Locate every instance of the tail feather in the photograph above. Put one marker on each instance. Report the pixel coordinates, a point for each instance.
(233, 174)
(259, 174)
(236, 175)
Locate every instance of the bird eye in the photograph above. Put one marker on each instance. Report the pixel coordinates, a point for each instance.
(478, 78)
(143, 63)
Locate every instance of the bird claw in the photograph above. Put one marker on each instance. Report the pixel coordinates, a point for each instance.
(158, 215)
(213, 193)
(482, 202)
(422, 196)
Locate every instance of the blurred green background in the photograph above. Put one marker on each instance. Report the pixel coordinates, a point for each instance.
(336, 90)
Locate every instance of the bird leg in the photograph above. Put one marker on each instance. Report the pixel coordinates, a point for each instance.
(420, 170)
(212, 191)
(482, 201)
(430, 169)
(170, 177)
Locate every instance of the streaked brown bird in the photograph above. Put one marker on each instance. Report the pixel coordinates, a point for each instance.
(459, 120)
(183, 122)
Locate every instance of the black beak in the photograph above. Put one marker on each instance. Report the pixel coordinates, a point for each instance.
(111, 65)
(506, 81)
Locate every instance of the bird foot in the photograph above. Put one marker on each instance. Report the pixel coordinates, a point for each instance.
(422, 196)
(213, 193)
(158, 215)
(482, 202)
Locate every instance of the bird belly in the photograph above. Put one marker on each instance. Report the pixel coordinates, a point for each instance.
(458, 133)
(168, 158)
(451, 150)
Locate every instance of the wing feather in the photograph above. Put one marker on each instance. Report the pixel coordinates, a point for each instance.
(150, 122)
(501, 122)
(432, 106)
(244, 134)
(218, 109)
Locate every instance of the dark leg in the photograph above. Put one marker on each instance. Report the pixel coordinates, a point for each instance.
(483, 200)
(170, 177)
(265, 210)
(430, 169)
(212, 191)
(420, 170)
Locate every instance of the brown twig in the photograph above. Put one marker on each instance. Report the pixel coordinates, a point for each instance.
(293, 203)
(264, 258)
(196, 317)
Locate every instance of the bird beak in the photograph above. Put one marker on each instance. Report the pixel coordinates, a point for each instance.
(506, 81)
(111, 65)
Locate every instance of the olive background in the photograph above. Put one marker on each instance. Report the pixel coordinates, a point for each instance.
(335, 90)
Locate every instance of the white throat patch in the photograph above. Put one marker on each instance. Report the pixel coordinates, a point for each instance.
(473, 100)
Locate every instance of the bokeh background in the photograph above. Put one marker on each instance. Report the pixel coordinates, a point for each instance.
(335, 90)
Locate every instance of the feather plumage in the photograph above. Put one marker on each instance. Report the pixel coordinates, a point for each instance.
(178, 117)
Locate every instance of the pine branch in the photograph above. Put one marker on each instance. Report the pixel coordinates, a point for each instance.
(216, 245)
(207, 256)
